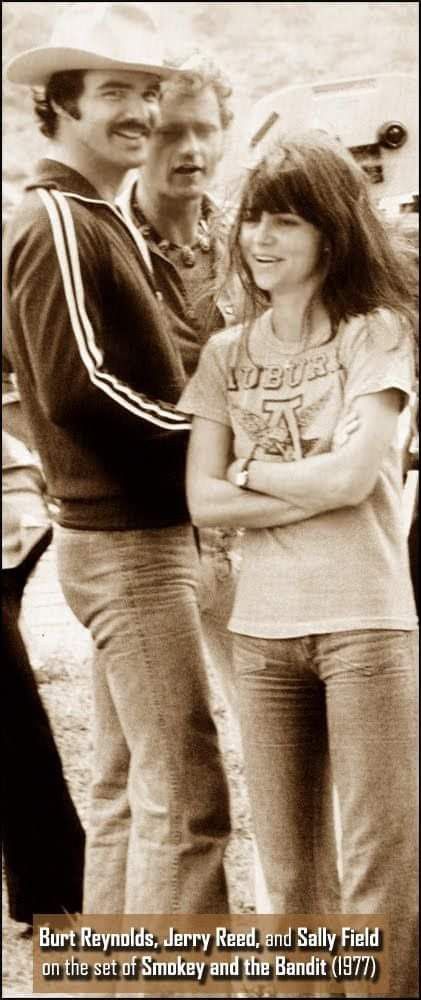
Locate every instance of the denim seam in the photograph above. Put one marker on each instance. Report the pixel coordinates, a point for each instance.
(169, 757)
(371, 670)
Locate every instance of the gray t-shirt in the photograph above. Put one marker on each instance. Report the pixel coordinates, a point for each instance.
(343, 569)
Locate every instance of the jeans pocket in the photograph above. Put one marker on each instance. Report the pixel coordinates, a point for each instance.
(372, 651)
(250, 655)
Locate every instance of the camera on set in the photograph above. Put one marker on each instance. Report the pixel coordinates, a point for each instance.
(392, 135)
(375, 117)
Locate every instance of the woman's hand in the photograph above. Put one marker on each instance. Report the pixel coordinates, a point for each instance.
(236, 466)
(346, 427)
(342, 477)
(214, 500)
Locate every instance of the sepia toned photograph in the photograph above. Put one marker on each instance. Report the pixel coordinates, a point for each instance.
(210, 499)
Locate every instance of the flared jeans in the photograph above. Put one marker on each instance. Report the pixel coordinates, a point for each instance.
(159, 819)
(349, 697)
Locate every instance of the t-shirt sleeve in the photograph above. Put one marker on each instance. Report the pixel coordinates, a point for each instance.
(206, 393)
(377, 355)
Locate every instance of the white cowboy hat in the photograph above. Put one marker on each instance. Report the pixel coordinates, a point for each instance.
(94, 36)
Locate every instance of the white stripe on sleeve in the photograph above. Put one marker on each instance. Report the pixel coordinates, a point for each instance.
(62, 225)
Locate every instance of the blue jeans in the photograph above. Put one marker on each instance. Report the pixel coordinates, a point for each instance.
(219, 565)
(350, 697)
(220, 559)
(159, 819)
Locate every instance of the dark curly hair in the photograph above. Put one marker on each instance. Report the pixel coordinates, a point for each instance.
(62, 88)
(368, 265)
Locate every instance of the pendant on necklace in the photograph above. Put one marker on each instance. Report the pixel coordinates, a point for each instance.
(188, 256)
(204, 243)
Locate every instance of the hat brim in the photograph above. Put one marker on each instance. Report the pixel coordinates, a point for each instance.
(35, 66)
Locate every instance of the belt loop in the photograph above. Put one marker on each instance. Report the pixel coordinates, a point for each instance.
(196, 536)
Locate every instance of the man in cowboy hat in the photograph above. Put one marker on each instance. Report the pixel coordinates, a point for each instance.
(99, 376)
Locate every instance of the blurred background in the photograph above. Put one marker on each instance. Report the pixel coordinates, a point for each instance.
(261, 46)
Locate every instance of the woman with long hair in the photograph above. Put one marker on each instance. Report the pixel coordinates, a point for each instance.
(324, 620)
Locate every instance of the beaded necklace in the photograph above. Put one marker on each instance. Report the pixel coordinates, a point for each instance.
(187, 252)
(196, 264)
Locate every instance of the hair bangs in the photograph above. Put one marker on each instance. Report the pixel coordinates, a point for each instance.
(281, 189)
(366, 267)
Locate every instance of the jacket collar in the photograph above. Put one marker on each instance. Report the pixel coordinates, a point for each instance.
(56, 175)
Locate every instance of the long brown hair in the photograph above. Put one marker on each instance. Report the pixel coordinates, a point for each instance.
(369, 264)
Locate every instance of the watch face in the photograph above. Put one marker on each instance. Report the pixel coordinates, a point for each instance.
(241, 478)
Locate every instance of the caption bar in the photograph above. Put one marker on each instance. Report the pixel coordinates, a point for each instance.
(202, 954)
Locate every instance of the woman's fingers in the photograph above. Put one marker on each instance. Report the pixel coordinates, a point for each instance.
(346, 427)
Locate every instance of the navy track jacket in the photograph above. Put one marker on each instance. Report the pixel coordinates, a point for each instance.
(97, 365)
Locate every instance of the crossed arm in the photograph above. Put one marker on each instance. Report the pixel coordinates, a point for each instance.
(284, 493)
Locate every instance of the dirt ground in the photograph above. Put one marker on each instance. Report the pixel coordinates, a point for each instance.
(61, 653)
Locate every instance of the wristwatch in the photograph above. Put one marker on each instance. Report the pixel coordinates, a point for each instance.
(241, 478)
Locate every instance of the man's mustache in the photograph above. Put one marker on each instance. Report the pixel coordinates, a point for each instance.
(134, 125)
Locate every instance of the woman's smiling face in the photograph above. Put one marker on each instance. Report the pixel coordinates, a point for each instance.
(282, 250)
